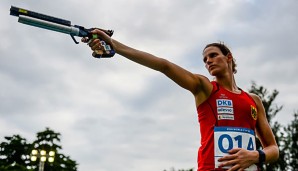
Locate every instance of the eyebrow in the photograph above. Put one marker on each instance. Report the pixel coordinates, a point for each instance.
(209, 54)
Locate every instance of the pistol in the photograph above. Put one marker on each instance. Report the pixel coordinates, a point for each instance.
(63, 26)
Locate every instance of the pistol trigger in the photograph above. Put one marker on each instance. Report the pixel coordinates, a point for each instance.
(74, 39)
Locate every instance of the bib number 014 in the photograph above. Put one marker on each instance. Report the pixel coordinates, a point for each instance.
(230, 141)
(227, 138)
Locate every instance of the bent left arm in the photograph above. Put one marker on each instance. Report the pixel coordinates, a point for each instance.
(265, 133)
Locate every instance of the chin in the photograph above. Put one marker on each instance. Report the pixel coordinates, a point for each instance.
(213, 73)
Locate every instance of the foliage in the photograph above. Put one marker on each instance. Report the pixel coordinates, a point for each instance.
(291, 144)
(15, 153)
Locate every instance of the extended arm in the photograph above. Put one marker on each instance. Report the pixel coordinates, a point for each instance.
(196, 84)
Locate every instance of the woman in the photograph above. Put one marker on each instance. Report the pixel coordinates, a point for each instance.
(228, 116)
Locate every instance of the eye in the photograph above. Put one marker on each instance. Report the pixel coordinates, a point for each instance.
(212, 55)
(205, 59)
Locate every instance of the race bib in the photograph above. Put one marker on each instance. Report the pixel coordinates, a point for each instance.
(227, 138)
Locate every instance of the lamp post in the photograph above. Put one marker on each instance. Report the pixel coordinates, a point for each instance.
(43, 156)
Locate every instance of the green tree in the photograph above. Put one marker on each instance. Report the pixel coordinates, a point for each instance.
(15, 153)
(48, 140)
(291, 143)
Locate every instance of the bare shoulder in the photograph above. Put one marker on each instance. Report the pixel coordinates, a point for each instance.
(204, 82)
(260, 107)
(256, 98)
(204, 89)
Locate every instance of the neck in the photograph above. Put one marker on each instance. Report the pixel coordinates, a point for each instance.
(228, 82)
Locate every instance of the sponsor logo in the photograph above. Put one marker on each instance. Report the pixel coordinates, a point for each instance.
(224, 103)
(225, 110)
(225, 117)
(254, 112)
(223, 96)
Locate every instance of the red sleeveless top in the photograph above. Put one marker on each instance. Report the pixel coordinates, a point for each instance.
(222, 108)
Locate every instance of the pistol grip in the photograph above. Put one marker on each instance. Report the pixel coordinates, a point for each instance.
(107, 51)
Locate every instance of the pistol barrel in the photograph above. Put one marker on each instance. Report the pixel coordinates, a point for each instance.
(49, 25)
(16, 11)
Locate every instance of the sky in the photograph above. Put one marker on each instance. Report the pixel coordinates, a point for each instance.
(114, 114)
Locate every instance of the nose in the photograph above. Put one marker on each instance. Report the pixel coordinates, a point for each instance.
(208, 61)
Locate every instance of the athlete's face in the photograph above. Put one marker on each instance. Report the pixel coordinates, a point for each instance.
(215, 62)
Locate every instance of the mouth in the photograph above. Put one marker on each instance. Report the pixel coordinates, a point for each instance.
(211, 66)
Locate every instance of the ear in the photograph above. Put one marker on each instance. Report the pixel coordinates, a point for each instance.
(230, 56)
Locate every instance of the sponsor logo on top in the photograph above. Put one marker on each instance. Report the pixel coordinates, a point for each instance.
(225, 110)
(224, 103)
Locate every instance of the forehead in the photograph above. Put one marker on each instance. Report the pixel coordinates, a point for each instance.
(211, 49)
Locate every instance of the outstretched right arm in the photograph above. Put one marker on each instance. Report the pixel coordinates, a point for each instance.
(197, 84)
